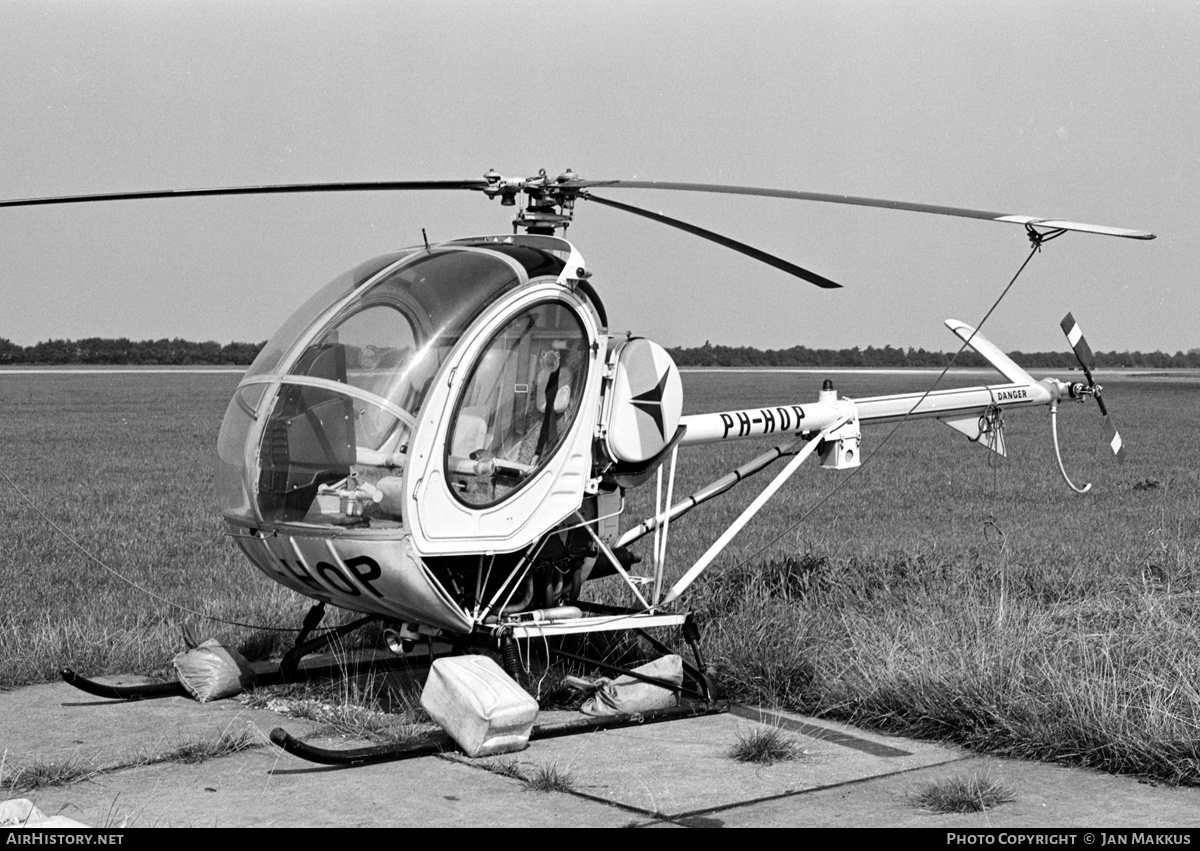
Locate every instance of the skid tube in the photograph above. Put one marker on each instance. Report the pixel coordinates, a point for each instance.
(287, 672)
(700, 686)
(442, 743)
(138, 691)
(174, 688)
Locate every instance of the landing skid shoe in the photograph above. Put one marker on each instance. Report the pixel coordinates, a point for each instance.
(134, 691)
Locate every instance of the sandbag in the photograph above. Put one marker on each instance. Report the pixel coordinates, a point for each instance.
(482, 708)
(627, 694)
(212, 671)
(20, 812)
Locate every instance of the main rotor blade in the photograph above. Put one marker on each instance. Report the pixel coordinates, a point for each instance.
(961, 212)
(280, 189)
(741, 247)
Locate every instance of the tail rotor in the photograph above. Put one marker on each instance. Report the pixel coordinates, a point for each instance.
(1083, 354)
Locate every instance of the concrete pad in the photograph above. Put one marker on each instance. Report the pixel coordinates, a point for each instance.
(672, 769)
(1046, 796)
(259, 787)
(56, 722)
(673, 774)
(267, 787)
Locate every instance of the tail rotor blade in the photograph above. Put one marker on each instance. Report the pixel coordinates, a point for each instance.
(1079, 344)
(1114, 438)
(1083, 354)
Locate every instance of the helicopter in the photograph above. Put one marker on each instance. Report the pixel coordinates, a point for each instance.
(443, 437)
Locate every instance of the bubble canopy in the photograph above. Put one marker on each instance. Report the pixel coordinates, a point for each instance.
(338, 391)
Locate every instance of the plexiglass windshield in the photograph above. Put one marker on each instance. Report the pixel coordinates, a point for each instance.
(349, 374)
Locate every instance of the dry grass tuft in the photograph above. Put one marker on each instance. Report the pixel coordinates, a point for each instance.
(549, 778)
(765, 746)
(963, 794)
(196, 751)
(505, 768)
(362, 704)
(44, 774)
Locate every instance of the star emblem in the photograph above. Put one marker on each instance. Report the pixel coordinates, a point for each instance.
(651, 403)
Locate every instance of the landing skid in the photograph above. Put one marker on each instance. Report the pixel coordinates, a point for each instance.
(270, 677)
(697, 684)
(438, 743)
(288, 671)
(139, 691)
(697, 695)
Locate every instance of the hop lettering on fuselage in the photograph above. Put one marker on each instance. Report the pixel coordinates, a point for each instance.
(763, 421)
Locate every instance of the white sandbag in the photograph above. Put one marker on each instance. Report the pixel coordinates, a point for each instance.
(627, 694)
(20, 812)
(480, 706)
(212, 671)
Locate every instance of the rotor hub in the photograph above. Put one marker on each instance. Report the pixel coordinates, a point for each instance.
(550, 204)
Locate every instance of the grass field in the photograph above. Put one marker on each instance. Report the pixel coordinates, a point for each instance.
(936, 593)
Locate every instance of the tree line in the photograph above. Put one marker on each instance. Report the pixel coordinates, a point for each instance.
(889, 356)
(177, 352)
(98, 350)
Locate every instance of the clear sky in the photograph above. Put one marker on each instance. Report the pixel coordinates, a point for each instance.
(1080, 109)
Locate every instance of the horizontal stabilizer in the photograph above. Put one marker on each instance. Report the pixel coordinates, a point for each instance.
(1005, 365)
